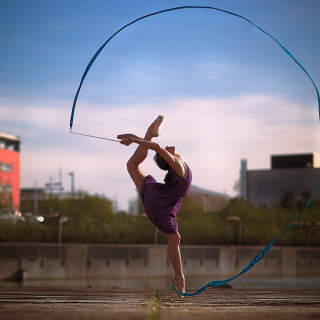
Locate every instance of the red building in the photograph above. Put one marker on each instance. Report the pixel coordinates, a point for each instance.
(9, 170)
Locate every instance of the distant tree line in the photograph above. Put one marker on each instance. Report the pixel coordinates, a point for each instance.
(91, 219)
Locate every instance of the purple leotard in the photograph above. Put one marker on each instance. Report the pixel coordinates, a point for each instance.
(162, 201)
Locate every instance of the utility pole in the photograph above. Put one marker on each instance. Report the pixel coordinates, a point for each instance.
(241, 224)
(35, 198)
(71, 174)
(60, 181)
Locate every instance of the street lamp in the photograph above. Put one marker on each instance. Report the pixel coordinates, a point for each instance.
(62, 219)
(241, 223)
(307, 224)
(71, 174)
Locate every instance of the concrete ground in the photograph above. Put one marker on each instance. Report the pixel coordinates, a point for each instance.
(147, 304)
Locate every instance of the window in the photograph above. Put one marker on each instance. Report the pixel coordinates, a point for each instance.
(5, 167)
(5, 188)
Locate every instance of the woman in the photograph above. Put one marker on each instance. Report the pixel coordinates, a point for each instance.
(161, 201)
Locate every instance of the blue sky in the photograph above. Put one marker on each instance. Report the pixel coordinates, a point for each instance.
(227, 90)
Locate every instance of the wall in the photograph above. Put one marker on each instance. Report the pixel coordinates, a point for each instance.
(11, 178)
(265, 187)
(102, 261)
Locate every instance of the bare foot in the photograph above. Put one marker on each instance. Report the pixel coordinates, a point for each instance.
(154, 127)
(179, 283)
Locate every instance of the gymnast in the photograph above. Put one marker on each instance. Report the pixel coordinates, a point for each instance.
(161, 201)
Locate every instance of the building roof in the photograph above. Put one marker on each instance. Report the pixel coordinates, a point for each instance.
(5, 136)
(198, 190)
(297, 160)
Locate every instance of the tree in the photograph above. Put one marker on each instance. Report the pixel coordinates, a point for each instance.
(287, 201)
(236, 186)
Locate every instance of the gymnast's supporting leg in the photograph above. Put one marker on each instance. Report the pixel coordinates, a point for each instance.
(175, 259)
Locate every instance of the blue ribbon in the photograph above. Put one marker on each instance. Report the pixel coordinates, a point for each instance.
(255, 260)
(172, 9)
(267, 248)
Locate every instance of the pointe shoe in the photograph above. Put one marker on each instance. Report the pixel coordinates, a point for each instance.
(154, 127)
(180, 284)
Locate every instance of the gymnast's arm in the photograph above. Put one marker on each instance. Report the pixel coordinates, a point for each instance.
(175, 162)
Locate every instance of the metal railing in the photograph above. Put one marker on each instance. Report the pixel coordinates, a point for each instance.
(45, 251)
(201, 253)
(117, 252)
(304, 254)
(32, 251)
(250, 253)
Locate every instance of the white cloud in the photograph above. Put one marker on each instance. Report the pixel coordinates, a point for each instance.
(211, 134)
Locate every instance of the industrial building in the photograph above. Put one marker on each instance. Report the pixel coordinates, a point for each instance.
(290, 172)
(10, 170)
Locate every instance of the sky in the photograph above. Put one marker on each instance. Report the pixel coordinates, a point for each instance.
(227, 91)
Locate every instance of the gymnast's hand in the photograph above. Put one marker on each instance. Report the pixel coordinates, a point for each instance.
(127, 141)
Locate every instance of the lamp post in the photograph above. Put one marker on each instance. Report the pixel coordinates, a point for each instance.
(241, 223)
(62, 219)
(307, 224)
(71, 174)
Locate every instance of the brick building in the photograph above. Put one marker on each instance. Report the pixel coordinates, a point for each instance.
(10, 170)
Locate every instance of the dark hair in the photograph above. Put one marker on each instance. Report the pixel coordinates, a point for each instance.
(163, 165)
